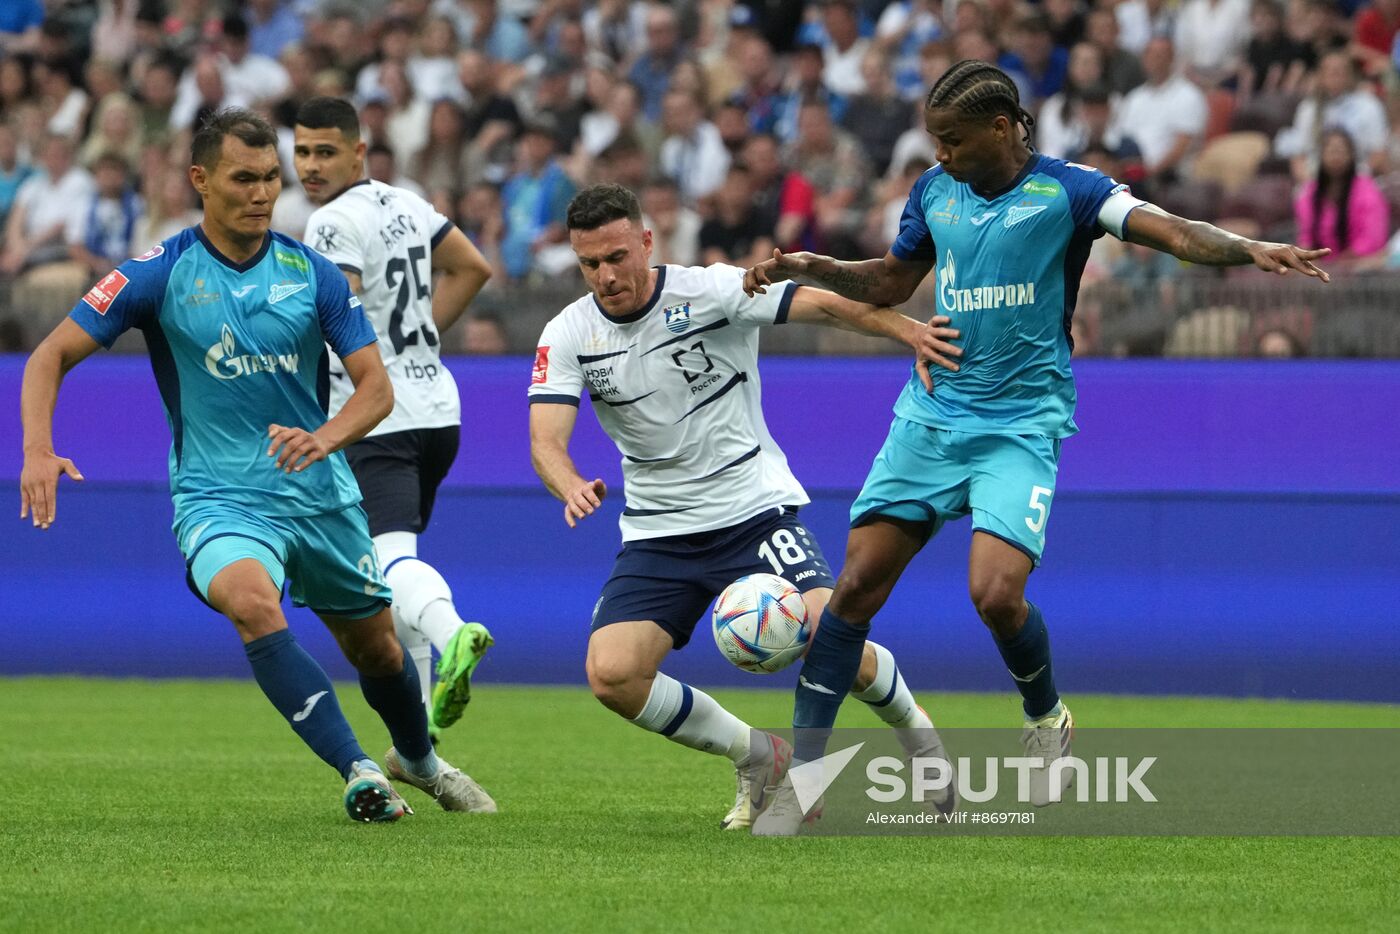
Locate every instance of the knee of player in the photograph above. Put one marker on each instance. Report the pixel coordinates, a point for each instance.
(379, 658)
(858, 595)
(616, 685)
(999, 600)
(255, 614)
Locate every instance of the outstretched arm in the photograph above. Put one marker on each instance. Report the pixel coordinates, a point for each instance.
(551, 427)
(888, 280)
(930, 343)
(65, 347)
(1208, 245)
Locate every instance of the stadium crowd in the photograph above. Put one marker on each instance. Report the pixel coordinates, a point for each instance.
(743, 126)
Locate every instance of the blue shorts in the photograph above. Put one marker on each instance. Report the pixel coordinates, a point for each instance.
(931, 475)
(329, 558)
(673, 580)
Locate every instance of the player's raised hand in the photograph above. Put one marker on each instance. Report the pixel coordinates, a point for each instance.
(932, 347)
(580, 502)
(781, 267)
(295, 448)
(38, 485)
(1284, 258)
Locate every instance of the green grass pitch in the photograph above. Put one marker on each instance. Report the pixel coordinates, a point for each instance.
(183, 806)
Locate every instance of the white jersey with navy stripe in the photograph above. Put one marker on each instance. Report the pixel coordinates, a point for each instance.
(386, 235)
(676, 387)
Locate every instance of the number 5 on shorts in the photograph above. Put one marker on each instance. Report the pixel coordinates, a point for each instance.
(1040, 502)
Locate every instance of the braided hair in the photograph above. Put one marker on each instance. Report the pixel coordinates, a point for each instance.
(976, 88)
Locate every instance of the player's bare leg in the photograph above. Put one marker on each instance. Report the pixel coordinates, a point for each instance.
(876, 554)
(623, 671)
(997, 574)
(389, 682)
(298, 687)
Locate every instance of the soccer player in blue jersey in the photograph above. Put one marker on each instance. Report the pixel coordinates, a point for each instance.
(237, 320)
(1008, 232)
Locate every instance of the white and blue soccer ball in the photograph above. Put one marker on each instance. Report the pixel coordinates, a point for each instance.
(760, 623)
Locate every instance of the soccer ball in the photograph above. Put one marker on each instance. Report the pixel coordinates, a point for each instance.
(760, 623)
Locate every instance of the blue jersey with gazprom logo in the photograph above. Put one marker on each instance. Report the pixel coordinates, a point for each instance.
(1008, 268)
(235, 348)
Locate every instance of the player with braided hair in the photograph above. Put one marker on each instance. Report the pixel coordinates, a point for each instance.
(1008, 232)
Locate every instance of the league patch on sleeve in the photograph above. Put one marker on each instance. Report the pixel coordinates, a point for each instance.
(150, 254)
(541, 373)
(101, 296)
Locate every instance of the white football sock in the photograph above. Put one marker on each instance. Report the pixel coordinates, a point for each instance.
(421, 651)
(706, 726)
(889, 697)
(422, 600)
(388, 548)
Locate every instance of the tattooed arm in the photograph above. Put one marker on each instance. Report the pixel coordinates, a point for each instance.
(1208, 245)
(885, 281)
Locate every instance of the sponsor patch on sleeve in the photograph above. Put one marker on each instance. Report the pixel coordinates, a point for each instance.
(541, 373)
(151, 254)
(101, 296)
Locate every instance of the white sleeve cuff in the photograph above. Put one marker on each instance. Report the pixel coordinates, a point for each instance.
(1115, 211)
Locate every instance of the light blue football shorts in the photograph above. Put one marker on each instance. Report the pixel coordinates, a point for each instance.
(329, 557)
(931, 475)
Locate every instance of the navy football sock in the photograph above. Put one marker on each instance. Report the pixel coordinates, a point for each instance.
(1027, 657)
(301, 692)
(398, 699)
(831, 665)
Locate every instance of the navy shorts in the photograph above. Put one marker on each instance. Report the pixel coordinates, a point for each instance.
(673, 580)
(399, 474)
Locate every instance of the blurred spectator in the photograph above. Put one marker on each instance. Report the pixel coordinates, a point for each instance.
(689, 78)
(978, 45)
(229, 76)
(534, 202)
(300, 64)
(1122, 68)
(115, 132)
(102, 77)
(894, 198)
(1100, 132)
(1278, 344)
(157, 97)
(34, 229)
(383, 166)
(406, 122)
(1142, 20)
(781, 192)
(612, 28)
(63, 103)
(651, 72)
(14, 171)
(1373, 37)
(1165, 116)
(675, 228)
(437, 167)
(803, 86)
(733, 126)
(877, 116)
(1336, 101)
(621, 116)
(914, 144)
(737, 233)
(114, 32)
(481, 25)
(101, 232)
(1342, 209)
(171, 206)
(394, 46)
(1274, 62)
(16, 85)
(479, 215)
(902, 31)
(623, 163)
(1058, 131)
(1067, 22)
(693, 155)
(1210, 38)
(433, 68)
(837, 168)
(20, 21)
(555, 103)
(1035, 55)
(483, 334)
(491, 119)
(272, 26)
(760, 92)
(843, 48)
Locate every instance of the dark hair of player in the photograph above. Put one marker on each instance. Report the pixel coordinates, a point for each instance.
(323, 113)
(977, 89)
(601, 204)
(243, 124)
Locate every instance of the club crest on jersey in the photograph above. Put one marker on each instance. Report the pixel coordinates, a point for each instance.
(101, 295)
(677, 317)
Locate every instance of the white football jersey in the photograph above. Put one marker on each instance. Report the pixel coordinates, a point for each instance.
(676, 386)
(386, 235)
